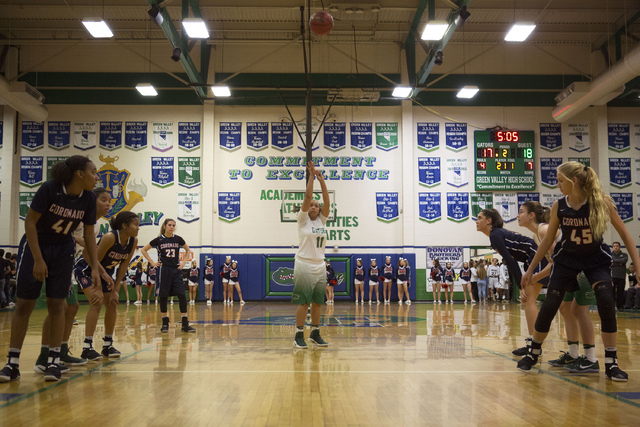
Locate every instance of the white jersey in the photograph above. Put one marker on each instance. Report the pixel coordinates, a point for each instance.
(493, 272)
(312, 237)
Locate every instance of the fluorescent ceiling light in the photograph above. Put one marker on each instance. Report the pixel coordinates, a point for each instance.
(520, 31)
(434, 30)
(97, 27)
(196, 28)
(468, 92)
(221, 90)
(402, 91)
(146, 89)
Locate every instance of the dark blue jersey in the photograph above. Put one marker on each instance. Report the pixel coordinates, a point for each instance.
(465, 274)
(403, 273)
(513, 247)
(168, 249)
(234, 274)
(358, 273)
(152, 273)
(449, 274)
(194, 275)
(330, 273)
(224, 270)
(208, 272)
(61, 213)
(374, 273)
(437, 273)
(576, 232)
(137, 277)
(388, 271)
(111, 259)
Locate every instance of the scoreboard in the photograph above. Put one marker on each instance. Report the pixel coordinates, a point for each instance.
(504, 160)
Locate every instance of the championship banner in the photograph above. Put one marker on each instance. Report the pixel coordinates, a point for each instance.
(528, 197)
(455, 136)
(162, 171)
(458, 206)
(506, 204)
(188, 207)
(292, 199)
(549, 172)
(361, 136)
(258, 135)
(479, 202)
(135, 135)
(32, 135)
(110, 135)
(25, 203)
(31, 171)
(335, 136)
(429, 136)
(282, 135)
(52, 161)
(637, 167)
(386, 136)
(85, 135)
(445, 254)
(229, 206)
(619, 137)
(584, 160)
(624, 203)
(551, 136)
(430, 207)
(230, 135)
(457, 172)
(620, 172)
(302, 138)
(636, 136)
(189, 135)
(548, 199)
(429, 171)
(387, 206)
(162, 136)
(59, 135)
(578, 137)
(189, 171)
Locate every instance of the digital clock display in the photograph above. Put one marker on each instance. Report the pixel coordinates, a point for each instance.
(504, 160)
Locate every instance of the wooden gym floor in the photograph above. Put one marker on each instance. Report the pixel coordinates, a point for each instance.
(386, 365)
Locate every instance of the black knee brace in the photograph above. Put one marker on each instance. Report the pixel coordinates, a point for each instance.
(606, 306)
(548, 310)
(163, 304)
(182, 299)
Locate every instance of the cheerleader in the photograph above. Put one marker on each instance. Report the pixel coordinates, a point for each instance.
(493, 273)
(331, 282)
(465, 278)
(194, 278)
(224, 274)
(388, 272)
(403, 273)
(208, 279)
(151, 277)
(137, 282)
(437, 273)
(234, 282)
(358, 280)
(374, 276)
(449, 277)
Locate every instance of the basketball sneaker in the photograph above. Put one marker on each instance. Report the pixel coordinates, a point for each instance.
(298, 341)
(110, 352)
(68, 359)
(90, 354)
(188, 329)
(165, 328)
(614, 373)
(317, 339)
(41, 368)
(9, 373)
(53, 373)
(527, 362)
(583, 365)
(564, 360)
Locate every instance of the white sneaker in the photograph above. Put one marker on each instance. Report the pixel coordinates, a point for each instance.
(171, 302)
(231, 302)
(225, 302)
(408, 302)
(473, 301)
(242, 302)
(156, 302)
(399, 302)
(356, 301)
(208, 302)
(148, 302)
(361, 302)
(138, 303)
(439, 302)
(127, 302)
(378, 302)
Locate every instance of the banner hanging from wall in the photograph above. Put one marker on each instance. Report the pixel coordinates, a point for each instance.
(85, 135)
(52, 161)
(457, 172)
(624, 203)
(430, 206)
(258, 135)
(302, 137)
(578, 137)
(282, 135)
(162, 136)
(189, 171)
(162, 171)
(361, 135)
(548, 199)
(445, 254)
(456, 136)
(429, 136)
(429, 171)
(636, 136)
(548, 171)
(31, 170)
(230, 135)
(335, 136)
(619, 137)
(620, 172)
(32, 135)
(386, 136)
(584, 160)
(188, 207)
(59, 135)
(528, 197)
(479, 202)
(25, 203)
(229, 206)
(550, 136)
(458, 206)
(110, 135)
(506, 204)
(189, 135)
(135, 135)
(637, 168)
(387, 206)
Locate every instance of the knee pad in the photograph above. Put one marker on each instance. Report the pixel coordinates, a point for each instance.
(548, 310)
(606, 306)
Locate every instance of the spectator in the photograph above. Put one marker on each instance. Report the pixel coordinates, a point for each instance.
(633, 293)
(618, 273)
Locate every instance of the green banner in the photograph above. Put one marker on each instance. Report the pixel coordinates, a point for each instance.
(25, 203)
(189, 171)
(584, 160)
(52, 161)
(387, 136)
(480, 201)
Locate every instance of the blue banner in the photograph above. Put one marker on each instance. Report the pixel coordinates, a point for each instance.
(31, 171)
(258, 135)
(455, 136)
(550, 136)
(110, 135)
(528, 197)
(162, 171)
(230, 135)
(59, 135)
(619, 137)
(32, 135)
(135, 135)
(429, 206)
(335, 136)
(429, 171)
(620, 172)
(429, 136)
(387, 206)
(458, 206)
(229, 206)
(548, 171)
(361, 136)
(189, 135)
(282, 135)
(624, 203)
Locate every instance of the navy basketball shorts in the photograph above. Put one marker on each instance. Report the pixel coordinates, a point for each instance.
(169, 282)
(82, 274)
(563, 277)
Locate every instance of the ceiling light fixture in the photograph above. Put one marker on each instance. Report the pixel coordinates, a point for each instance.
(221, 91)
(520, 31)
(468, 92)
(97, 28)
(146, 89)
(402, 92)
(195, 28)
(434, 30)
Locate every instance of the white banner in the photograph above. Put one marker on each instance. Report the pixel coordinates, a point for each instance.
(188, 207)
(507, 205)
(578, 137)
(548, 199)
(84, 135)
(457, 172)
(162, 136)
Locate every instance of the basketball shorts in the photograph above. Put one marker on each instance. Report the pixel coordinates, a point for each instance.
(493, 282)
(82, 274)
(563, 278)
(170, 282)
(584, 295)
(504, 284)
(309, 280)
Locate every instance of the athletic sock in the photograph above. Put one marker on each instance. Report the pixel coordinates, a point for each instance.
(610, 355)
(574, 347)
(315, 328)
(13, 359)
(88, 342)
(54, 356)
(590, 352)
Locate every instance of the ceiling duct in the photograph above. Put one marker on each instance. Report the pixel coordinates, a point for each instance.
(353, 95)
(23, 98)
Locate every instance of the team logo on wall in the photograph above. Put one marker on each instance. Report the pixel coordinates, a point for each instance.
(124, 194)
(283, 276)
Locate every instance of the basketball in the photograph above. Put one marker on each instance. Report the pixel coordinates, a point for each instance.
(321, 23)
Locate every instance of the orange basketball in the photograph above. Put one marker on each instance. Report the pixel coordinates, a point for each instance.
(321, 23)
